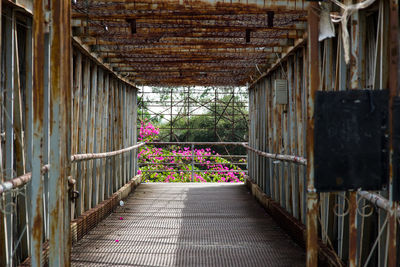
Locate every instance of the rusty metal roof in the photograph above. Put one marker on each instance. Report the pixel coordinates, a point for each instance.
(170, 43)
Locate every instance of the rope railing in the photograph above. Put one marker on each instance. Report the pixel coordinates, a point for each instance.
(378, 201)
(89, 156)
(25, 178)
(290, 158)
(20, 180)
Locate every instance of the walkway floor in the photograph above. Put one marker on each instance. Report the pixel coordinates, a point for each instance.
(188, 225)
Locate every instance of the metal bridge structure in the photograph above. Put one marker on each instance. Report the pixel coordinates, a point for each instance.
(323, 151)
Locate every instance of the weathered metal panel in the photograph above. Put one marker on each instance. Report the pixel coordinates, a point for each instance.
(60, 81)
(28, 124)
(100, 129)
(84, 123)
(36, 186)
(77, 118)
(97, 139)
(107, 143)
(312, 201)
(46, 129)
(92, 181)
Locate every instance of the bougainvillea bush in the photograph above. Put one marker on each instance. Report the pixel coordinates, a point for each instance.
(175, 162)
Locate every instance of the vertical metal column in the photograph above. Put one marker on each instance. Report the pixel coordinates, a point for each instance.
(104, 170)
(67, 121)
(46, 127)
(92, 182)
(2, 232)
(108, 122)
(135, 116)
(60, 81)
(312, 198)
(77, 171)
(82, 183)
(28, 121)
(170, 116)
(394, 91)
(36, 185)
(98, 186)
(355, 70)
(9, 28)
(102, 128)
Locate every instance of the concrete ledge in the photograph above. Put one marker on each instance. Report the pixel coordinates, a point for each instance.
(292, 226)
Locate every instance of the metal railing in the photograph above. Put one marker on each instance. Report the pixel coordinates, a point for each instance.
(26, 178)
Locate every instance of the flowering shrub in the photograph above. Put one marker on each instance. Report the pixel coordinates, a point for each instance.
(148, 132)
(175, 165)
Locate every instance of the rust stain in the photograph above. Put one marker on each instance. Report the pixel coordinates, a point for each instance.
(352, 229)
(38, 225)
(312, 239)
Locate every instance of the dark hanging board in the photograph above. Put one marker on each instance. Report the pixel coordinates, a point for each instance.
(351, 140)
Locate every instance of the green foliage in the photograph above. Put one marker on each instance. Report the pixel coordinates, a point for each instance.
(178, 164)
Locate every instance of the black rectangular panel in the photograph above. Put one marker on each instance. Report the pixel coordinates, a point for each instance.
(351, 140)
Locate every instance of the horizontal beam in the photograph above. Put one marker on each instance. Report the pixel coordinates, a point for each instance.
(126, 44)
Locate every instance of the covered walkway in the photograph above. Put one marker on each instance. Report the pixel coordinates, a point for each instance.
(188, 225)
(323, 156)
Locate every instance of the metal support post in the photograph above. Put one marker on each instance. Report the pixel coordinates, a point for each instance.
(394, 91)
(192, 162)
(36, 185)
(312, 197)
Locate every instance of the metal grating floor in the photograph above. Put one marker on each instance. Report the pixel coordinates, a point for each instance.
(198, 224)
